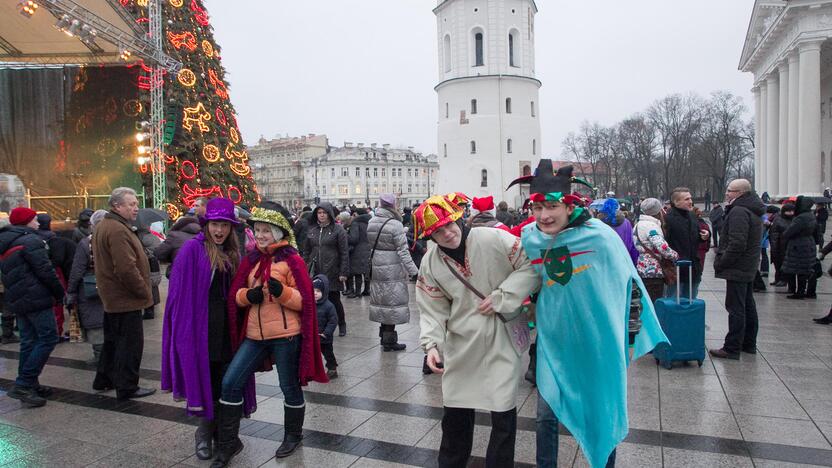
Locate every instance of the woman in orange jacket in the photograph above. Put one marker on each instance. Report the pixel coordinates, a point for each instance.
(273, 291)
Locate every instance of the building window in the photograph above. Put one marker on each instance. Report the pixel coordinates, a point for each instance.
(508, 105)
(508, 145)
(409, 172)
(357, 172)
(473, 106)
(473, 147)
(484, 178)
(332, 190)
(343, 190)
(323, 189)
(367, 172)
(511, 50)
(478, 52)
(383, 172)
(358, 188)
(445, 150)
(409, 188)
(447, 43)
(534, 147)
(533, 113)
(446, 110)
(345, 172)
(332, 173)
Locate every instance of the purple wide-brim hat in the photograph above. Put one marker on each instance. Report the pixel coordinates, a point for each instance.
(219, 209)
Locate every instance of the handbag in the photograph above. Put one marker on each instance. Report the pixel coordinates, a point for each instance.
(375, 244)
(89, 286)
(516, 323)
(818, 269)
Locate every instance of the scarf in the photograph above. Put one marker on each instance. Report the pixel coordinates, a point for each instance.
(458, 254)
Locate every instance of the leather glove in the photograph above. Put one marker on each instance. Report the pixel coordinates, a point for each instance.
(255, 295)
(275, 287)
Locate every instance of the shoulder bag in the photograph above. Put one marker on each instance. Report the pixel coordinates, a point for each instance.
(375, 244)
(517, 323)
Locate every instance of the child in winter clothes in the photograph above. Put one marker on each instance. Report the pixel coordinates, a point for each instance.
(327, 321)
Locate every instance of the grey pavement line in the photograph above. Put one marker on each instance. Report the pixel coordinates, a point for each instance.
(700, 443)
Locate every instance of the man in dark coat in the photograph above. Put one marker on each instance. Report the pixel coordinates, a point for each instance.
(801, 250)
(61, 253)
(31, 289)
(185, 229)
(326, 250)
(821, 216)
(503, 215)
(777, 242)
(301, 226)
(684, 236)
(84, 227)
(359, 281)
(737, 261)
(716, 216)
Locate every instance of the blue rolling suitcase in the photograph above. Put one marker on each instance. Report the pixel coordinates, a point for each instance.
(683, 321)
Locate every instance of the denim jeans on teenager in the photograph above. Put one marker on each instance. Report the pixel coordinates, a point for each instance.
(284, 351)
(38, 337)
(547, 437)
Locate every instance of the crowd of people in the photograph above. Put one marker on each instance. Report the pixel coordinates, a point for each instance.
(256, 289)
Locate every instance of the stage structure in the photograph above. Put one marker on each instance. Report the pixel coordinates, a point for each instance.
(189, 141)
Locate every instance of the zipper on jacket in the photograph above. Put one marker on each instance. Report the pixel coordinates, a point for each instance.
(260, 322)
(283, 312)
(320, 239)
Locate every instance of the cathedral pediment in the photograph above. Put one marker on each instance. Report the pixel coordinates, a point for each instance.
(763, 17)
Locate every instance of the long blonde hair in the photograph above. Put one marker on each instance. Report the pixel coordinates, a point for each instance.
(227, 258)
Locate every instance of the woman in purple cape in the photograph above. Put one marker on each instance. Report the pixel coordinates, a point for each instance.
(200, 333)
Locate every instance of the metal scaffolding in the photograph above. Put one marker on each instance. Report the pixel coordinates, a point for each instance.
(157, 112)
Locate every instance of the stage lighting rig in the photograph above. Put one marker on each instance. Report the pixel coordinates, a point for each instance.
(63, 23)
(28, 7)
(125, 54)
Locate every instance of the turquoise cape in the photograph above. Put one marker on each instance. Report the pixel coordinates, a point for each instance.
(582, 314)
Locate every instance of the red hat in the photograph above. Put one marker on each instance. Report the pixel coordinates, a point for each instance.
(21, 216)
(483, 204)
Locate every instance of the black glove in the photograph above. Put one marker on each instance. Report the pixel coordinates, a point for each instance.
(275, 287)
(255, 295)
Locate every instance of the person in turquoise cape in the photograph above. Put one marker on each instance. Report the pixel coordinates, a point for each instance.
(581, 316)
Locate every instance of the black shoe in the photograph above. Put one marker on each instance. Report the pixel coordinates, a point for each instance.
(796, 296)
(759, 289)
(365, 293)
(332, 374)
(750, 350)
(824, 320)
(202, 439)
(148, 315)
(293, 435)
(722, 354)
(43, 391)
(811, 296)
(27, 396)
(390, 341)
(10, 339)
(139, 393)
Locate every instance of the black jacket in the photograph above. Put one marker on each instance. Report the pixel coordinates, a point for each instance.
(359, 245)
(90, 311)
(184, 230)
(301, 227)
(29, 277)
(716, 217)
(682, 235)
(738, 254)
(327, 247)
(327, 318)
(776, 239)
(801, 250)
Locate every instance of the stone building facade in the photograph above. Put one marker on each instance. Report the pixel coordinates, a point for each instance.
(278, 166)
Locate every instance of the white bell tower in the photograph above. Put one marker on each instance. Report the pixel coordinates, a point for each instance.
(488, 106)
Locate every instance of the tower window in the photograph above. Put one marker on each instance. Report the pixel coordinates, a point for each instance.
(484, 178)
(533, 113)
(446, 110)
(445, 150)
(478, 53)
(508, 145)
(473, 106)
(534, 147)
(508, 105)
(473, 147)
(447, 48)
(511, 50)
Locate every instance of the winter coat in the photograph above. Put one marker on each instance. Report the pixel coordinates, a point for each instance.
(90, 311)
(359, 245)
(801, 250)
(624, 229)
(29, 278)
(327, 247)
(327, 318)
(682, 235)
(150, 243)
(61, 253)
(738, 253)
(486, 219)
(301, 227)
(775, 235)
(505, 217)
(417, 247)
(122, 270)
(184, 230)
(704, 247)
(716, 217)
(392, 269)
(81, 232)
(276, 317)
(650, 244)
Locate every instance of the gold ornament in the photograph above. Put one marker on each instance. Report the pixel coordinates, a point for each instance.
(211, 153)
(207, 48)
(196, 114)
(235, 136)
(132, 108)
(186, 77)
(177, 3)
(173, 211)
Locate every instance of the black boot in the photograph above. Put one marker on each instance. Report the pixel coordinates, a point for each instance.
(824, 320)
(390, 341)
(366, 291)
(8, 335)
(228, 424)
(531, 373)
(293, 430)
(202, 439)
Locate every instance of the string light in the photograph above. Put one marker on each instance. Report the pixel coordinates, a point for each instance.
(186, 77)
(173, 211)
(125, 54)
(200, 15)
(211, 153)
(185, 39)
(207, 48)
(221, 117)
(191, 171)
(177, 3)
(235, 136)
(219, 86)
(196, 114)
(236, 199)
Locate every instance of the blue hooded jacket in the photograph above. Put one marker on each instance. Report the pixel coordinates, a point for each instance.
(327, 318)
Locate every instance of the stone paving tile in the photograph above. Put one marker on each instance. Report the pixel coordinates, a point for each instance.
(629, 455)
(695, 421)
(764, 405)
(380, 389)
(406, 430)
(130, 460)
(66, 453)
(781, 431)
(175, 444)
(677, 458)
(336, 419)
(371, 463)
(315, 458)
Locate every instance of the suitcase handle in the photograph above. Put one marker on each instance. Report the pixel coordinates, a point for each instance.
(679, 264)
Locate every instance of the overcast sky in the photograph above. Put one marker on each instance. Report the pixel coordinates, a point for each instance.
(364, 70)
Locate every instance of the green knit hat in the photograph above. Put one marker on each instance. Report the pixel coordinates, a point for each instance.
(273, 217)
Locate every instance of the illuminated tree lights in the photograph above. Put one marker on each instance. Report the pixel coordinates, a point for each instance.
(211, 153)
(186, 77)
(196, 114)
(185, 39)
(207, 48)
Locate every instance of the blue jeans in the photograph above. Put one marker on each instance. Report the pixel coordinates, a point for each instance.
(547, 437)
(38, 337)
(285, 352)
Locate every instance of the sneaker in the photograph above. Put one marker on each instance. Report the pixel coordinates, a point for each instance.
(27, 396)
(332, 374)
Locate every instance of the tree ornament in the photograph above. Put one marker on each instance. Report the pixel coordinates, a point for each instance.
(200, 15)
(219, 86)
(207, 48)
(186, 77)
(235, 136)
(211, 153)
(196, 114)
(188, 170)
(173, 211)
(221, 117)
(132, 107)
(185, 39)
(177, 3)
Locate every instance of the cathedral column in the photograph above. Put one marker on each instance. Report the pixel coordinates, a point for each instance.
(758, 148)
(763, 136)
(783, 122)
(794, 100)
(772, 135)
(808, 163)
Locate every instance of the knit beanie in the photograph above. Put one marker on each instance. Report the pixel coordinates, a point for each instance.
(387, 200)
(21, 216)
(651, 206)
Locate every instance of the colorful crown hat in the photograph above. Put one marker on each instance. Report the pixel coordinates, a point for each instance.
(434, 213)
(273, 217)
(546, 185)
(458, 198)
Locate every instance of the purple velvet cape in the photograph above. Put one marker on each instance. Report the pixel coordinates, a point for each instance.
(185, 367)
(625, 232)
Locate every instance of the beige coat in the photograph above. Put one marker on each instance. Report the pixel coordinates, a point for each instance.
(482, 369)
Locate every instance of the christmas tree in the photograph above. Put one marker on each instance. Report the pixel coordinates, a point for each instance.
(205, 156)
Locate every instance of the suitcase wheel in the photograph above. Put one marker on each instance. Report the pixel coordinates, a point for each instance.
(700, 362)
(667, 364)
